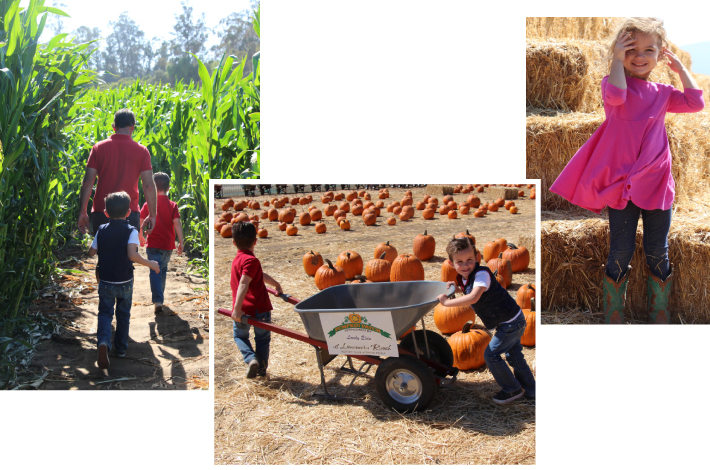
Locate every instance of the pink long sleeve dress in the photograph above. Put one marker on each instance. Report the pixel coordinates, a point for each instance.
(628, 157)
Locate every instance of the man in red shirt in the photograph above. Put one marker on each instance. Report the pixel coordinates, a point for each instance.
(118, 162)
(250, 298)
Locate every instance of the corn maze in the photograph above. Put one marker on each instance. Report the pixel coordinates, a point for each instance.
(52, 113)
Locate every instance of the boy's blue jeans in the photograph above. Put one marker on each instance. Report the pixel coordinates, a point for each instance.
(262, 338)
(157, 281)
(122, 296)
(507, 341)
(622, 233)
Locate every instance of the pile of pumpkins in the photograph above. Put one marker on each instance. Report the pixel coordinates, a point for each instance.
(468, 341)
(353, 203)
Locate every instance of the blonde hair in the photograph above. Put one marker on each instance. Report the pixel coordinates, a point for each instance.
(652, 26)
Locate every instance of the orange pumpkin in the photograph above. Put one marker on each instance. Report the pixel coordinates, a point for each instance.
(311, 262)
(329, 275)
(316, 215)
(320, 227)
(467, 234)
(407, 268)
(452, 214)
(291, 230)
(262, 233)
(304, 218)
(519, 257)
(448, 272)
(468, 346)
(428, 213)
(525, 294)
(451, 319)
(351, 262)
(345, 224)
(424, 246)
(391, 221)
(504, 269)
(389, 251)
(513, 210)
(528, 338)
(378, 269)
(226, 231)
(370, 218)
(491, 250)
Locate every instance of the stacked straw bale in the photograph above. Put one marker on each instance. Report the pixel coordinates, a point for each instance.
(439, 189)
(567, 74)
(573, 252)
(565, 63)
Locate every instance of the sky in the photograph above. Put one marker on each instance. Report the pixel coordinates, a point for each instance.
(154, 17)
(684, 29)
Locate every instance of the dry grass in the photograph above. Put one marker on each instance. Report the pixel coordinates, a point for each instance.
(553, 140)
(591, 28)
(277, 421)
(573, 252)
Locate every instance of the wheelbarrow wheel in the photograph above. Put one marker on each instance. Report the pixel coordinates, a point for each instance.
(438, 346)
(405, 383)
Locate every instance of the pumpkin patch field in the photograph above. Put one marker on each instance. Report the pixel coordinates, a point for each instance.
(277, 420)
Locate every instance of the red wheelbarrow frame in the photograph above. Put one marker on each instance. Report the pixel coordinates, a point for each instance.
(297, 335)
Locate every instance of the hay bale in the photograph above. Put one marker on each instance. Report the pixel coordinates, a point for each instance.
(551, 141)
(505, 193)
(439, 189)
(566, 74)
(586, 29)
(593, 28)
(573, 252)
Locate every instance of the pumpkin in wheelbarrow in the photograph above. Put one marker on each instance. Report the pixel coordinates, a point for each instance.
(468, 346)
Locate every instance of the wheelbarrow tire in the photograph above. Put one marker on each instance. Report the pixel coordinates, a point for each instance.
(438, 346)
(405, 383)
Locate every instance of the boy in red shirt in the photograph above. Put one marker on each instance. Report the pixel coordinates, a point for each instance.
(161, 240)
(250, 298)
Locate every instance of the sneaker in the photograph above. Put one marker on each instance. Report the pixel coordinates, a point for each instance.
(119, 354)
(252, 368)
(158, 307)
(261, 372)
(503, 397)
(103, 356)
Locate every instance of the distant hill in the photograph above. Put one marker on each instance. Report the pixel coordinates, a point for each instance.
(700, 55)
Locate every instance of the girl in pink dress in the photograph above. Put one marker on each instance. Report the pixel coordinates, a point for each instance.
(626, 163)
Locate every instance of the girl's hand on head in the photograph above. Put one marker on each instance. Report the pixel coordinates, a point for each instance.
(673, 61)
(625, 42)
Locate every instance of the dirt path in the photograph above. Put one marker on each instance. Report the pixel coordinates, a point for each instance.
(276, 420)
(169, 350)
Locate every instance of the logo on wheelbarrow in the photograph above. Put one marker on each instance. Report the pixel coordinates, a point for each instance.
(356, 321)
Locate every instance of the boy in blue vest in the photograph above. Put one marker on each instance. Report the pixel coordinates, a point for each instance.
(496, 309)
(117, 245)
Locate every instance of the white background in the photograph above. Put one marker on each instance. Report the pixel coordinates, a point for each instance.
(425, 92)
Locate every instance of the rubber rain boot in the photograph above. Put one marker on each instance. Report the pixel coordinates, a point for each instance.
(659, 296)
(614, 294)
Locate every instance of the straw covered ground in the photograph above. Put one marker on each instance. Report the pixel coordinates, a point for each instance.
(573, 252)
(552, 141)
(277, 421)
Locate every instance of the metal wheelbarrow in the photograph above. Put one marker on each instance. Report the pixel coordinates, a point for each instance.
(406, 380)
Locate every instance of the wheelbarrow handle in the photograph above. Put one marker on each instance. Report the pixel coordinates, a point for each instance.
(452, 290)
(284, 297)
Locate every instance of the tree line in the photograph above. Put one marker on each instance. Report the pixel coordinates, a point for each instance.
(125, 53)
